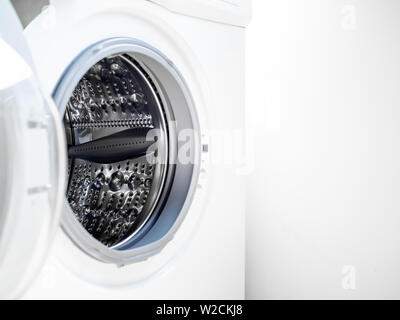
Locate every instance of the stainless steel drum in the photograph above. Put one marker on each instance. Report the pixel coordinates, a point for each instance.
(113, 121)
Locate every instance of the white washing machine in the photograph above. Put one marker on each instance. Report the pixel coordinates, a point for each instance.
(116, 194)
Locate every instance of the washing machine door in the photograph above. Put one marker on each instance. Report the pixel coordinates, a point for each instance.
(32, 163)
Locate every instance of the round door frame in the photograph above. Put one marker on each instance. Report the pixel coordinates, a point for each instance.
(163, 224)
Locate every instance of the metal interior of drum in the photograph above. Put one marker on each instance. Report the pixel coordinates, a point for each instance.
(114, 186)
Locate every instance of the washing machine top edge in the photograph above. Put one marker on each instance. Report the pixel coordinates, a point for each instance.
(232, 12)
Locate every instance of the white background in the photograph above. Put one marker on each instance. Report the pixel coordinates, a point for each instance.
(323, 211)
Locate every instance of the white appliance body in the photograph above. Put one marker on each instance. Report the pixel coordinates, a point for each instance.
(323, 204)
(204, 257)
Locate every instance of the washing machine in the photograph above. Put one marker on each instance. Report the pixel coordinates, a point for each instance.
(109, 187)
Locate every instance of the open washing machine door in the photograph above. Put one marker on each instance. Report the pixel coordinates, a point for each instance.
(32, 162)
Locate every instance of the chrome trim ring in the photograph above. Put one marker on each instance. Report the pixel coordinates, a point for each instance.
(181, 178)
